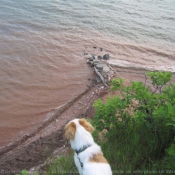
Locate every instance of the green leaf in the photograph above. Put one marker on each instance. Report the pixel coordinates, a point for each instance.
(159, 78)
(171, 150)
(170, 108)
(116, 83)
(170, 124)
(24, 172)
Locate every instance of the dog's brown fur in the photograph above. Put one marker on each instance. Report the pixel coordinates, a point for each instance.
(83, 122)
(70, 130)
(98, 158)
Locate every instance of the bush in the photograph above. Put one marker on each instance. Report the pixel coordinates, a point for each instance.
(140, 124)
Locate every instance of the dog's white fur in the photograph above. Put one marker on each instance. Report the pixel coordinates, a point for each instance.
(78, 131)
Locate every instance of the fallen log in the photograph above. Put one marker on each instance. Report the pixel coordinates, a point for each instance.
(101, 77)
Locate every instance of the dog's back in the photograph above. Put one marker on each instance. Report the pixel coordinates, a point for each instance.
(88, 156)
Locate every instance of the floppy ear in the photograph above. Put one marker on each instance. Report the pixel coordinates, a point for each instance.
(70, 130)
(83, 122)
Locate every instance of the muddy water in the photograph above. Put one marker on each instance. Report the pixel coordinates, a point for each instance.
(38, 80)
(42, 46)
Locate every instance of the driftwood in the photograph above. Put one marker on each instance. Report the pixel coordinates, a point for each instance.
(114, 70)
(101, 77)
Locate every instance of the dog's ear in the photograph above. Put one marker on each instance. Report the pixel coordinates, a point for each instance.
(83, 122)
(70, 130)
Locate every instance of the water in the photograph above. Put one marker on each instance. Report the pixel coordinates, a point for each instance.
(42, 45)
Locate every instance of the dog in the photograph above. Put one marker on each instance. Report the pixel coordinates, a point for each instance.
(88, 156)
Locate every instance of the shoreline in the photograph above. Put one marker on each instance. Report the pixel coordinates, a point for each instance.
(33, 150)
(53, 115)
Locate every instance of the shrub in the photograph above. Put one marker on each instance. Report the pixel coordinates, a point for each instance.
(140, 123)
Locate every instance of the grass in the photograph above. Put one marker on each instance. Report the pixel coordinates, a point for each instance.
(129, 153)
(62, 165)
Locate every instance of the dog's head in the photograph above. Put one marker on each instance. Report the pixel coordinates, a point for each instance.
(74, 125)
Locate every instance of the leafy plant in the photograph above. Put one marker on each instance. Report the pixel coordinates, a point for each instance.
(159, 78)
(170, 157)
(142, 117)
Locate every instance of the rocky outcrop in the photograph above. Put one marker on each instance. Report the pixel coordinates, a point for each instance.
(102, 69)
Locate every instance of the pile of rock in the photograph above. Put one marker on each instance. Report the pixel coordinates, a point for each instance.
(103, 70)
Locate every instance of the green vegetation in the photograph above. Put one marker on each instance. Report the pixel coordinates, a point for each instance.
(140, 125)
(63, 165)
(25, 172)
(136, 129)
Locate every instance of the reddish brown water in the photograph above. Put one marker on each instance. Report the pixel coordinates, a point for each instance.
(43, 74)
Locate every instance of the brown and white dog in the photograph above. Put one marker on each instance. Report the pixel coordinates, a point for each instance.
(88, 156)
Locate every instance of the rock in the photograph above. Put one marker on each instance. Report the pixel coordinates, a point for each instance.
(96, 61)
(93, 56)
(88, 57)
(87, 61)
(101, 49)
(98, 80)
(99, 57)
(106, 69)
(90, 62)
(106, 57)
(100, 66)
(91, 59)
